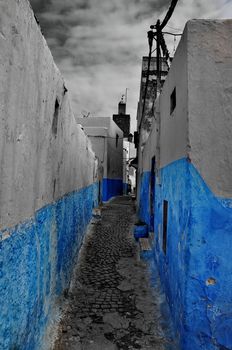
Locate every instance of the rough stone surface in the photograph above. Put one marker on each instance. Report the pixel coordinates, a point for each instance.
(110, 303)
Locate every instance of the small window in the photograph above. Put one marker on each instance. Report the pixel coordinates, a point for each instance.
(173, 101)
(165, 224)
(55, 117)
(117, 137)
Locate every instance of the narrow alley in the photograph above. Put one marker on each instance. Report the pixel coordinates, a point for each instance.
(115, 172)
(110, 304)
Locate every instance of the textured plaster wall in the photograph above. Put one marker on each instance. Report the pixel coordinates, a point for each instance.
(48, 175)
(37, 164)
(210, 100)
(195, 270)
(192, 147)
(173, 126)
(36, 261)
(173, 265)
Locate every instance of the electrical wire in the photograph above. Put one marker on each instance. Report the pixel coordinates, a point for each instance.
(109, 137)
(174, 34)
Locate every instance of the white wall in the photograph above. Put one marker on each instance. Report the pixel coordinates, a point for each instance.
(200, 126)
(99, 126)
(151, 147)
(98, 138)
(115, 152)
(36, 166)
(173, 127)
(210, 101)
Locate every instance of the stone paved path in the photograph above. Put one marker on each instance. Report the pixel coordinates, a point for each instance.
(110, 304)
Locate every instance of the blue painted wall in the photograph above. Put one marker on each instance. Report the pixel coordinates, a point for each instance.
(111, 188)
(196, 270)
(36, 263)
(125, 187)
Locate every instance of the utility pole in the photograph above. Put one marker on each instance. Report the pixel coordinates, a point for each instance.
(158, 55)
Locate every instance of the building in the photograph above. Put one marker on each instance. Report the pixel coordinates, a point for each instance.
(185, 194)
(122, 119)
(107, 140)
(49, 183)
(129, 153)
(145, 110)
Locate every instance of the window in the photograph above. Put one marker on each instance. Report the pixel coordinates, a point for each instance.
(117, 137)
(173, 101)
(165, 224)
(55, 118)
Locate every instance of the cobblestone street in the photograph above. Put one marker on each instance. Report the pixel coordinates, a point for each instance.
(110, 304)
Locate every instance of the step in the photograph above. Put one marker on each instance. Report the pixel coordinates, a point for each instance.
(144, 244)
(145, 248)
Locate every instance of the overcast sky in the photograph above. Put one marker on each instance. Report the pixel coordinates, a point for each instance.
(98, 44)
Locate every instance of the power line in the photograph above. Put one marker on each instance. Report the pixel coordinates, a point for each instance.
(174, 34)
(108, 137)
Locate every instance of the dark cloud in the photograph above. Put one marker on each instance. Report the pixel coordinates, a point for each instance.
(98, 44)
(39, 5)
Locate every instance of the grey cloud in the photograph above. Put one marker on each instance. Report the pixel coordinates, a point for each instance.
(39, 5)
(98, 44)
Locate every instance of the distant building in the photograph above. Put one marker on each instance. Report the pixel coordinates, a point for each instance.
(129, 153)
(122, 119)
(107, 141)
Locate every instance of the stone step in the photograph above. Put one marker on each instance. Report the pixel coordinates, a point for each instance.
(145, 248)
(144, 244)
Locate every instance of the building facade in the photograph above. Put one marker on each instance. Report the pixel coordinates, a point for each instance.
(49, 182)
(145, 108)
(185, 186)
(122, 119)
(107, 140)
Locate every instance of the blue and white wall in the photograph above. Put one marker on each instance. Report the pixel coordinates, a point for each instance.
(107, 141)
(192, 150)
(48, 175)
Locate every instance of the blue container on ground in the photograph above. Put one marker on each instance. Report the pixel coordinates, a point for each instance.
(140, 231)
